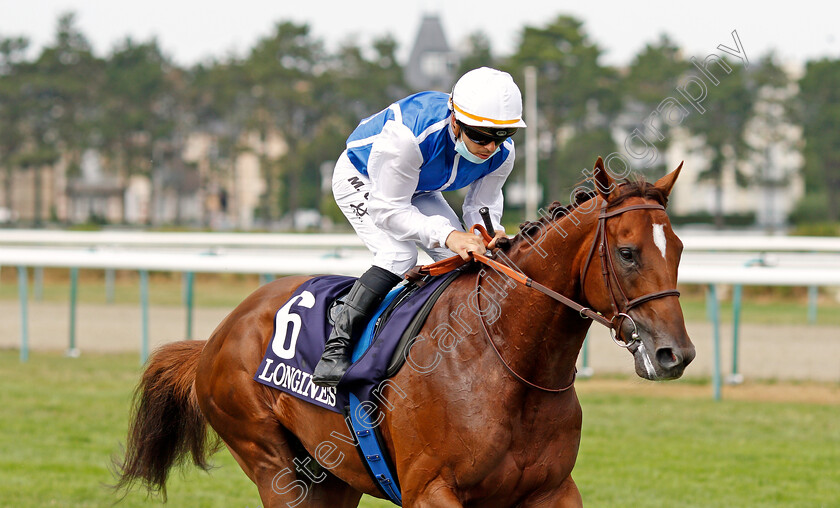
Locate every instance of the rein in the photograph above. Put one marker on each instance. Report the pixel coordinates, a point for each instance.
(499, 354)
(620, 310)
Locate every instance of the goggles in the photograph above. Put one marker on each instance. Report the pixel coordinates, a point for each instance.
(482, 137)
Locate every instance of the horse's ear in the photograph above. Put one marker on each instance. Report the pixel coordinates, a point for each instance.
(604, 183)
(666, 183)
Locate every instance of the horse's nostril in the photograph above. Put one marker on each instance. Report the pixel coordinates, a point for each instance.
(667, 357)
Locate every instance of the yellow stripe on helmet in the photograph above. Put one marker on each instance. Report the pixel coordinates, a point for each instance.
(481, 118)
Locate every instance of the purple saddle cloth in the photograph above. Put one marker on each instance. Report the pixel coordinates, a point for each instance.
(301, 328)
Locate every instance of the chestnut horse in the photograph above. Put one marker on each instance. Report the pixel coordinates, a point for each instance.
(486, 412)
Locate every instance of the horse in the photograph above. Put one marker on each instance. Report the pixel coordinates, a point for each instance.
(484, 414)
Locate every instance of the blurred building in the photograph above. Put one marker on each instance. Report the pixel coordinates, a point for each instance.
(771, 180)
(33, 194)
(761, 189)
(230, 190)
(93, 196)
(432, 63)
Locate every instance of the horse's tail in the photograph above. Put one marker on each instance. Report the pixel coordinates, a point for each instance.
(167, 422)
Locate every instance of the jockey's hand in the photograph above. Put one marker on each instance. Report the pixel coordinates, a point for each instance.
(499, 234)
(462, 243)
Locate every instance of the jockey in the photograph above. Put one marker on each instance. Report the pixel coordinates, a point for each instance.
(388, 183)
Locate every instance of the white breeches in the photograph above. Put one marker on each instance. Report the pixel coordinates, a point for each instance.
(351, 188)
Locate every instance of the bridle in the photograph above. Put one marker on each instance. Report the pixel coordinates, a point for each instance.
(620, 309)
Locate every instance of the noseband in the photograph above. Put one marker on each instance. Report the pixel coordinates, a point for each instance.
(621, 309)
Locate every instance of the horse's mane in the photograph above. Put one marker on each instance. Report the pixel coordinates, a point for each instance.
(638, 187)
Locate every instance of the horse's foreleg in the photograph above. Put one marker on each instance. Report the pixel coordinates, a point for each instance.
(565, 496)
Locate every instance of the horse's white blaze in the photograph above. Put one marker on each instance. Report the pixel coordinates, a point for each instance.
(659, 237)
(651, 371)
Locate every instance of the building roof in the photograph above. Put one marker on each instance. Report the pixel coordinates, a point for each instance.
(432, 62)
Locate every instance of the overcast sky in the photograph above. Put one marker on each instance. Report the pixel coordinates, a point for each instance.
(191, 31)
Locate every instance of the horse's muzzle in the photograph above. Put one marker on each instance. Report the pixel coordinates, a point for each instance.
(667, 362)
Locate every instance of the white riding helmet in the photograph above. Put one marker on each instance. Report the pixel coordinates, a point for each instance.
(486, 97)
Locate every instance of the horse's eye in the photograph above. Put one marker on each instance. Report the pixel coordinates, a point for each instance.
(626, 254)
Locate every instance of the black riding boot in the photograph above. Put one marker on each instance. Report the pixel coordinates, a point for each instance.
(364, 297)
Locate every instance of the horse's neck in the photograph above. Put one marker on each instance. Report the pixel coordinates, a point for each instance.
(538, 336)
(554, 257)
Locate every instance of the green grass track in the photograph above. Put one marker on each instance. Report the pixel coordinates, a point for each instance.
(63, 419)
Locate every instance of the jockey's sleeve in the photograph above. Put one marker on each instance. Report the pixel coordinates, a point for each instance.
(487, 191)
(394, 171)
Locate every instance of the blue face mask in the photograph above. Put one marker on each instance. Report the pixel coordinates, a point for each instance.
(465, 152)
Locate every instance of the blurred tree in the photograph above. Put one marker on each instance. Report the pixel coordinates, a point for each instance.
(726, 110)
(575, 96)
(651, 78)
(771, 136)
(365, 86)
(59, 93)
(139, 110)
(654, 72)
(479, 53)
(214, 92)
(289, 89)
(819, 112)
(12, 56)
(362, 82)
